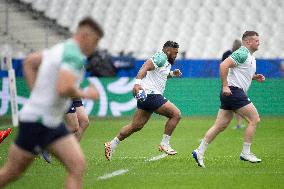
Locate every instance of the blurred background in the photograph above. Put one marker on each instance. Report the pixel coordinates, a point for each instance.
(134, 30)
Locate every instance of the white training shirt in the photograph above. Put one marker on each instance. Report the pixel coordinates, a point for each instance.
(155, 80)
(45, 105)
(241, 75)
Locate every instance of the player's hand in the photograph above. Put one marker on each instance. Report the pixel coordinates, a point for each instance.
(92, 92)
(177, 73)
(226, 91)
(259, 78)
(136, 88)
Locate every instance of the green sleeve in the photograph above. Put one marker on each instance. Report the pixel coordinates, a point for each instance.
(159, 59)
(240, 56)
(72, 57)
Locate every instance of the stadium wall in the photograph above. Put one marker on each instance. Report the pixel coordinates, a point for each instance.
(192, 68)
(204, 68)
(194, 97)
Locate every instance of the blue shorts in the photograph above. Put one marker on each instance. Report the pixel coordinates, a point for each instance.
(152, 102)
(235, 101)
(35, 137)
(75, 103)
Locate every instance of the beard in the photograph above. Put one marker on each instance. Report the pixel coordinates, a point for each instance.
(171, 60)
(255, 49)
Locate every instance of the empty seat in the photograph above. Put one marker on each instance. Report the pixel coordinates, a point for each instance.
(40, 5)
(68, 13)
(203, 28)
(54, 8)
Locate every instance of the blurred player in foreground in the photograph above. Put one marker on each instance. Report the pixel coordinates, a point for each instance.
(53, 83)
(237, 73)
(76, 119)
(151, 79)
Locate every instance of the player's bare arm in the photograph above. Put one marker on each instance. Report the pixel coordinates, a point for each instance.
(259, 78)
(66, 86)
(30, 68)
(224, 70)
(147, 66)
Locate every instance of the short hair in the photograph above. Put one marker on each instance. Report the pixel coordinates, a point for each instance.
(249, 34)
(236, 44)
(171, 44)
(90, 22)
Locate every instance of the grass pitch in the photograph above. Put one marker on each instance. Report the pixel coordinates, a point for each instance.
(223, 167)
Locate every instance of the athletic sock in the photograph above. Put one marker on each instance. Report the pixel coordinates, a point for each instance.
(115, 142)
(166, 139)
(246, 147)
(202, 147)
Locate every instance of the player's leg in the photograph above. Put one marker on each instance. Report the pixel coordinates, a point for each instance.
(173, 114)
(83, 121)
(21, 153)
(17, 162)
(72, 125)
(139, 119)
(72, 122)
(68, 151)
(239, 121)
(71, 119)
(223, 119)
(250, 113)
(170, 111)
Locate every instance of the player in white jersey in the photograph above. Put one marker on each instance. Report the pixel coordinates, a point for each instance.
(236, 45)
(236, 72)
(152, 79)
(76, 120)
(54, 76)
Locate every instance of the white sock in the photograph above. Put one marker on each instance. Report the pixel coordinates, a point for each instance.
(166, 139)
(114, 142)
(246, 147)
(202, 147)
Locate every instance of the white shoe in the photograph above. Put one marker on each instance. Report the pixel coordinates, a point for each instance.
(108, 150)
(198, 158)
(249, 157)
(167, 149)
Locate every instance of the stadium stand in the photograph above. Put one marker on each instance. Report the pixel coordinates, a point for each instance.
(203, 28)
(27, 30)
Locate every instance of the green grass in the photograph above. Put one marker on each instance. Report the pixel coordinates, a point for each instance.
(224, 169)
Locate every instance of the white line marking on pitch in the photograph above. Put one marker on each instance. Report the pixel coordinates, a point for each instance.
(113, 174)
(157, 157)
(123, 171)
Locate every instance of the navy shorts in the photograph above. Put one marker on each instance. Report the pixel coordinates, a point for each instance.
(34, 137)
(152, 102)
(75, 103)
(235, 101)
